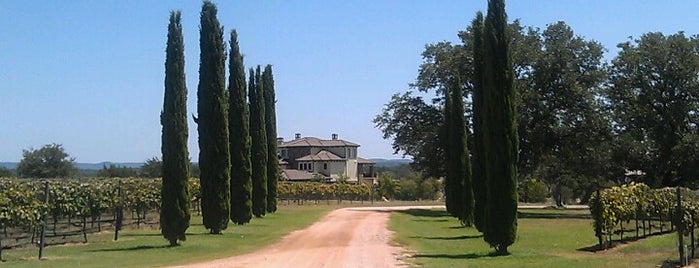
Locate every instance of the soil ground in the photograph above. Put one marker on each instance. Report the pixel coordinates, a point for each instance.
(348, 237)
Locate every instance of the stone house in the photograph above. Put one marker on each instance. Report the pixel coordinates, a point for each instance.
(307, 158)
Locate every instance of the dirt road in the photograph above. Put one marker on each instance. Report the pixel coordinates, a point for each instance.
(348, 237)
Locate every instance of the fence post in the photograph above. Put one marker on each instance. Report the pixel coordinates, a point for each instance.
(43, 221)
(119, 213)
(679, 223)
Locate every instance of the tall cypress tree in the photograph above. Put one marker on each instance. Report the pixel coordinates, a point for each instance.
(259, 144)
(478, 167)
(239, 131)
(460, 154)
(453, 184)
(214, 156)
(500, 140)
(174, 212)
(271, 129)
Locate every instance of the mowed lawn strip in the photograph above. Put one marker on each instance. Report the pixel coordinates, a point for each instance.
(546, 238)
(147, 248)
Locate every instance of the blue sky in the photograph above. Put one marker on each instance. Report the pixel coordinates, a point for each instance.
(89, 74)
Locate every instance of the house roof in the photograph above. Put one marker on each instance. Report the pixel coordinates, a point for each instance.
(323, 155)
(297, 175)
(316, 142)
(364, 161)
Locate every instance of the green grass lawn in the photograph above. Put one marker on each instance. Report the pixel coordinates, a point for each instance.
(147, 247)
(546, 238)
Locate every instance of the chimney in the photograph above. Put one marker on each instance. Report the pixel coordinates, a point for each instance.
(334, 136)
(298, 136)
(280, 140)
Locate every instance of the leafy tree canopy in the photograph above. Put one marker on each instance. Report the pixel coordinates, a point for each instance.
(6, 173)
(153, 168)
(654, 97)
(51, 161)
(114, 171)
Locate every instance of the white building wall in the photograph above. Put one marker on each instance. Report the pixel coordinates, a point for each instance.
(351, 169)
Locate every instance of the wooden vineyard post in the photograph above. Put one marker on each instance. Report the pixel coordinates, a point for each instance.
(42, 239)
(679, 222)
(119, 212)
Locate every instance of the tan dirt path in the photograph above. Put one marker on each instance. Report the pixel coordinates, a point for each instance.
(347, 237)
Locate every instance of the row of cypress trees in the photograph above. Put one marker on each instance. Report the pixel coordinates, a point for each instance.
(234, 135)
(484, 192)
(259, 143)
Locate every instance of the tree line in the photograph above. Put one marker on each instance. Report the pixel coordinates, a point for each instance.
(237, 133)
(582, 122)
(515, 105)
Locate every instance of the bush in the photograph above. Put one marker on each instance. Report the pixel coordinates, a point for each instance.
(533, 191)
(408, 190)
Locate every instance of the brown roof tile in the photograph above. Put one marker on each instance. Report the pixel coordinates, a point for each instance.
(323, 155)
(316, 142)
(297, 175)
(364, 161)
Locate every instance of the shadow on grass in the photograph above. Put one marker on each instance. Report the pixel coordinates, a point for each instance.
(457, 256)
(129, 248)
(141, 235)
(551, 215)
(425, 213)
(435, 220)
(615, 243)
(448, 237)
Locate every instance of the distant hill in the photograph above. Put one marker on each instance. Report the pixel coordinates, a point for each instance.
(8, 165)
(381, 162)
(82, 166)
(98, 166)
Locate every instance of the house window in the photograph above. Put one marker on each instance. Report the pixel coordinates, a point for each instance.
(285, 153)
(325, 165)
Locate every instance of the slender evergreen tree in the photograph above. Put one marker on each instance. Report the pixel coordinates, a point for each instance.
(478, 167)
(453, 185)
(259, 144)
(271, 129)
(500, 140)
(214, 156)
(461, 159)
(174, 212)
(239, 131)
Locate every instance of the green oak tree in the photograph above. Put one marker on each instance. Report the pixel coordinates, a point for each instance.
(51, 161)
(654, 96)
